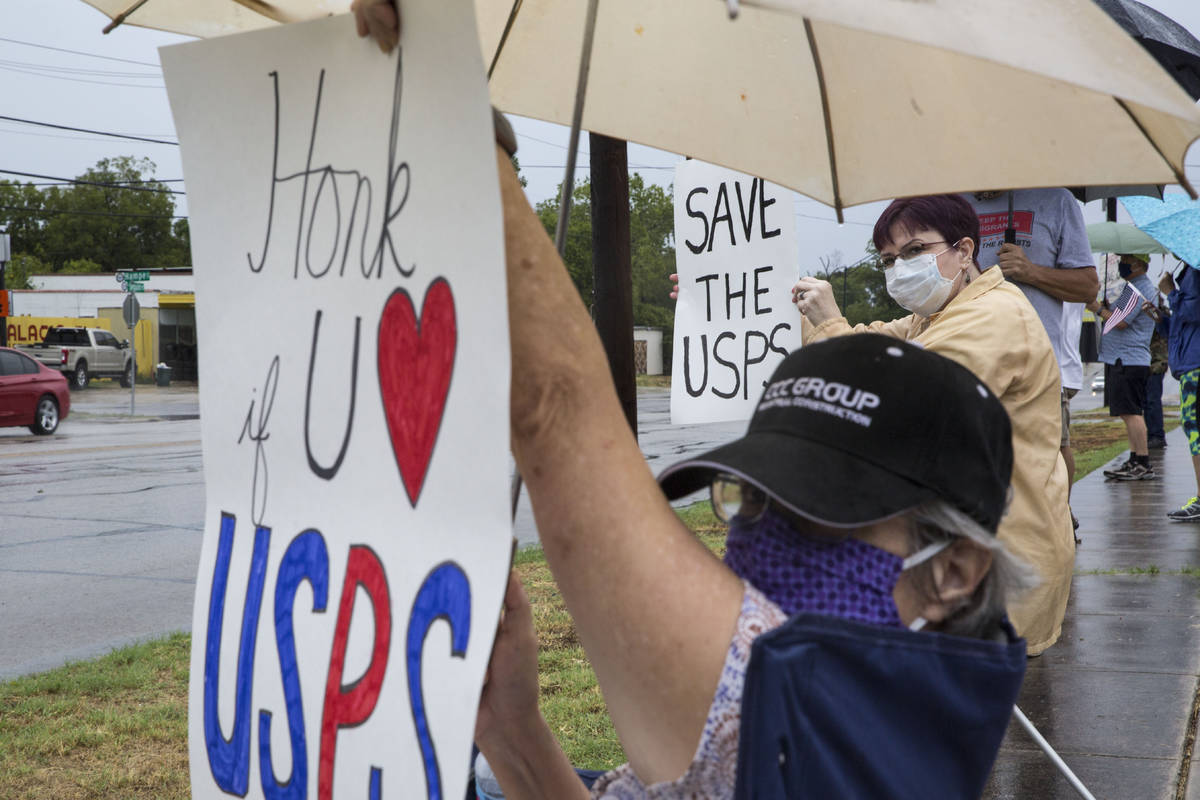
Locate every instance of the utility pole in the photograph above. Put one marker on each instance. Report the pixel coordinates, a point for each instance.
(611, 264)
(5, 257)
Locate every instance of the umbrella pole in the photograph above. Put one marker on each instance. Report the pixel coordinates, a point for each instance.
(568, 183)
(1054, 757)
(119, 18)
(1010, 233)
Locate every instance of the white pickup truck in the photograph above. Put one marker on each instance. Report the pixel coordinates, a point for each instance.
(82, 354)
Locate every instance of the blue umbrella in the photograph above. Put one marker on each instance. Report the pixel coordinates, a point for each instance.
(1173, 221)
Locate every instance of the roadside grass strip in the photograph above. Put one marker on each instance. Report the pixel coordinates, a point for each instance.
(115, 727)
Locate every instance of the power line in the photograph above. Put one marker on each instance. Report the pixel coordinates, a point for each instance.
(91, 55)
(87, 130)
(44, 135)
(61, 181)
(53, 212)
(78, 182)
(827, 219)
(81, 80)
(581, 151)
(79, 70)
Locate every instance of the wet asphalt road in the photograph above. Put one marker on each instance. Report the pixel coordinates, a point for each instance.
(101, 524)
(100, 529)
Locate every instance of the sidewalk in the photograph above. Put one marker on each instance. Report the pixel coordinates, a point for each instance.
(106, 399)
(1114, 696)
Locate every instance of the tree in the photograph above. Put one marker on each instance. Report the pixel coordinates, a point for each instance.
(517, 169)
(17, 271)
(831, 263)
(652, 247)
(861, 291)
(80, 266)
(117, 217)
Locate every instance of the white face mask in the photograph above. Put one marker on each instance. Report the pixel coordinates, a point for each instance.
(918, 285)
(920, 557)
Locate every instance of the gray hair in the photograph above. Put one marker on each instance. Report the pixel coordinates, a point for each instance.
(978, 617)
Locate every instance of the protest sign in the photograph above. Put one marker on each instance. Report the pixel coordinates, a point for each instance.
(736, 254)
(357, 535)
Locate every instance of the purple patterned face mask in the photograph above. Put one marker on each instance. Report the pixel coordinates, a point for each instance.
(845, 578)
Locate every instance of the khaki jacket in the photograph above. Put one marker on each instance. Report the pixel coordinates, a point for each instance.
(992, 330)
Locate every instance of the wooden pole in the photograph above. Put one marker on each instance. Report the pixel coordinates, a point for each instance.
(612, 265)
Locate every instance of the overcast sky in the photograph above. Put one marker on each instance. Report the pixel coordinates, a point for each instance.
(127, 96)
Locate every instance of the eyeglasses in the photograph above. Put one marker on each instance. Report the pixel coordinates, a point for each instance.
(732, 497)
(910, 252)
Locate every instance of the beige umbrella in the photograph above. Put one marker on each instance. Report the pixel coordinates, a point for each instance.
(208, 18)
(849, 102)
(845, 101)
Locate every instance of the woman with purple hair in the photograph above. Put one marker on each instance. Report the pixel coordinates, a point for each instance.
(928, 248)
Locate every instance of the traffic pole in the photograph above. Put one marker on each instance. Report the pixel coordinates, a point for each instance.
(133, 367)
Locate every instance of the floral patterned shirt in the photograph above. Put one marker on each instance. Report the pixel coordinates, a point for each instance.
(714, 767)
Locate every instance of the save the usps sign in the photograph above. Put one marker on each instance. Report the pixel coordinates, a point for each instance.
(736, 255)
(357, 535)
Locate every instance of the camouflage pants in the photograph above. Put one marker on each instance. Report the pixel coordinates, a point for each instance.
(1188, 384)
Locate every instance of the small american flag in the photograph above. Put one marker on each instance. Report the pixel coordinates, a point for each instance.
(1129, 301)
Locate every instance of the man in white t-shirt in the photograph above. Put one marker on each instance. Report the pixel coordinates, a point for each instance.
(1051, 261)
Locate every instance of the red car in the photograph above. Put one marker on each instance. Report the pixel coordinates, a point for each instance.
(31, 394)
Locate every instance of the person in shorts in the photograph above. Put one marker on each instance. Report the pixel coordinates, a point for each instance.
(1125, 351)
(1183, 357)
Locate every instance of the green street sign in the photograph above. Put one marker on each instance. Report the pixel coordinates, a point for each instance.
(135, 286)
(136, 275)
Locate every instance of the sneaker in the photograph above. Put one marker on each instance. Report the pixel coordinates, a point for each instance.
(1190, 512)
(1133, 472)
(1156, 443)
(1119, 471)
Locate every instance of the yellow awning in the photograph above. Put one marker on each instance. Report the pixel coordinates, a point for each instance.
(174, 300)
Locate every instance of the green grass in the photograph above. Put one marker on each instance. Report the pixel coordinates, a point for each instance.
(116, 727)
(1097, 443)
(1152, 569)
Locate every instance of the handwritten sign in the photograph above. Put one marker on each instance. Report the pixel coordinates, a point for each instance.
(736, 254)
(355, 445)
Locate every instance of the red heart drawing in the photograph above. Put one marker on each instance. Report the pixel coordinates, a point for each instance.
(416, 360)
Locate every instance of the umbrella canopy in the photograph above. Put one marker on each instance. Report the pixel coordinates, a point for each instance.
(208, 18)
(1121, 237)
(1169, 42)
(849, 102)
(846, 101)
(1174, 221)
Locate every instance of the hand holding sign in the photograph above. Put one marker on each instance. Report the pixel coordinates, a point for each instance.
(814, 299)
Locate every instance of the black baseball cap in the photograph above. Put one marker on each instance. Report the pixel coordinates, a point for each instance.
(858, 429)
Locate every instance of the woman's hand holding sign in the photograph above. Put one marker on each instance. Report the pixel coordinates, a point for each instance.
(814, 299)
(379, 19)
(510, 729)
